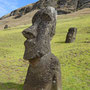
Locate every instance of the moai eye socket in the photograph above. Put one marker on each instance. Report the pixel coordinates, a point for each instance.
(41, 17)
(45, 17)
(35, 17)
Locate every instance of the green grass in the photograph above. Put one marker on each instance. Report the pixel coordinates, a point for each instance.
(74, 57)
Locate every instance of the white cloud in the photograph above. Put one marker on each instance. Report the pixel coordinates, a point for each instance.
(7, 6)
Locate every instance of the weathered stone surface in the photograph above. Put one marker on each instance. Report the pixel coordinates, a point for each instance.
(44, 69)
(71, 35)
(6, 26)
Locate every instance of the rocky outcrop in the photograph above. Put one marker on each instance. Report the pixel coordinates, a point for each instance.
(62, 7)
(67, 5)
(44, 69)
(72, 5)
(83, 4)
(45, 3)
(20, 12)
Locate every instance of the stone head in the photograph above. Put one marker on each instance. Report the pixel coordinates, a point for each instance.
(39, 35)
(71, 35)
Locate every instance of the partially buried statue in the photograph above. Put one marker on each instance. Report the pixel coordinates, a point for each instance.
(44, 69)
(71, 35)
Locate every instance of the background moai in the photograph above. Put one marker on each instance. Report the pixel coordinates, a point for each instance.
(71, 35)
(44, 69)
(6, 26)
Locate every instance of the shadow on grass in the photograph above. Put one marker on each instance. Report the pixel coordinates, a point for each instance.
(60, 42)
(88, 32)
(11, 86)
(86, 42)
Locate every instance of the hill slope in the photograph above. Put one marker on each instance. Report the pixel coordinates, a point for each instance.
(26, 19)
(62, 7)
(74, 57)
(23, 15)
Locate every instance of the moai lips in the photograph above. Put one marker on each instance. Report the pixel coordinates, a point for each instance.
(44, 69)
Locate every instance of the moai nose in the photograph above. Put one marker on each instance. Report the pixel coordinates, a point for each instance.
(30, 32)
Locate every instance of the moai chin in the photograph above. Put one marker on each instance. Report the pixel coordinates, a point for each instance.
(44, 69)
(71, 35)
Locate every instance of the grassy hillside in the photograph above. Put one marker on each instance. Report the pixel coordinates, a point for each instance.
(74, 57)
(25, 19)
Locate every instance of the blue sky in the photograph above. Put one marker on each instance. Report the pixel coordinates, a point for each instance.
(6, 6)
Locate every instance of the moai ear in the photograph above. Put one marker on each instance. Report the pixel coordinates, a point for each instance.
(52, 31)
(53, 28)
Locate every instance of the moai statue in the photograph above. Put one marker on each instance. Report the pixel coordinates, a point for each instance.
(6, 26)
(71, 35)
(44, 69)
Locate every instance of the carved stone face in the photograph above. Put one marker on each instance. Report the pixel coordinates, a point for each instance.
(40, 33)
(71, 35)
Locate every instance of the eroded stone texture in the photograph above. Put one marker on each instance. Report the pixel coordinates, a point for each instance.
(71, 35)
(44, 69)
